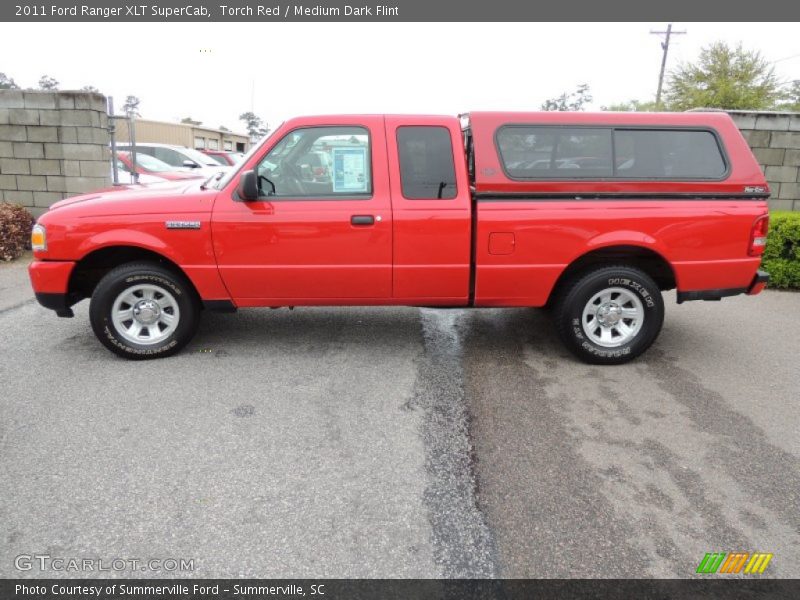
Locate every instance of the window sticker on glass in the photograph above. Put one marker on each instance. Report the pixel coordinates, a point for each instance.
(350, 170)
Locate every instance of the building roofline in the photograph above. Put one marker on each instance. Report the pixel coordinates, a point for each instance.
(189, 125)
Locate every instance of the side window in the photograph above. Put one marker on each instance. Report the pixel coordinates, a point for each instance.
(667, 154)
(169, 156)
(427, 169)
(555, 152)
(318, 162)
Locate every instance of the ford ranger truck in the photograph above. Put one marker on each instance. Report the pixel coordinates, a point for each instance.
(593, 215)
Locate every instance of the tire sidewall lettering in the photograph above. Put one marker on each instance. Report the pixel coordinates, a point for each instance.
(635, 286)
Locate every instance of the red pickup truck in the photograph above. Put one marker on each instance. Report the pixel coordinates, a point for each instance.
(590, 214)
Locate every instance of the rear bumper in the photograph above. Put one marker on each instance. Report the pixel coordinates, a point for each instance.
(759, 282)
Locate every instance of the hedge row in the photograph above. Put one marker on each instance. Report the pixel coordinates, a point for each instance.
(15, 231)
(782, 254)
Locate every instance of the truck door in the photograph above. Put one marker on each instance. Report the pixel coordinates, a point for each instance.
(321, 230)
(432, 210)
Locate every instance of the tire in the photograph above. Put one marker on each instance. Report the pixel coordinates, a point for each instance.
(142, 310)
(610, 315)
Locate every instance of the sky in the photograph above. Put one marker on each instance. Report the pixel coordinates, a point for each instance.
(213, 72)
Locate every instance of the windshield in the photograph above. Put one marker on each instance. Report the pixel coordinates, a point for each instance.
(222, 182)
(199, 157)
(149, 163)
(219, 158)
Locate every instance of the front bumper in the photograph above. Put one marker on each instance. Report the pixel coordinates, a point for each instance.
(50, 281)
(756, 286)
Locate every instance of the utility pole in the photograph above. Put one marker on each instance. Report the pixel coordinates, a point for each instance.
(664, 46)
(112, 128)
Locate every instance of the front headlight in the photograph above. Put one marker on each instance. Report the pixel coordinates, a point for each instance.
(39, 238)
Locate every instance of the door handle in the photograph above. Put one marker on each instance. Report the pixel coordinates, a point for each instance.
(362, 220)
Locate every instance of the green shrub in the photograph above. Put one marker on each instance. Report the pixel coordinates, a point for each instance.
(15, 231)
(782, 254)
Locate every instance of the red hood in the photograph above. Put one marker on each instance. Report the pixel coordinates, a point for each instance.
(161, 198)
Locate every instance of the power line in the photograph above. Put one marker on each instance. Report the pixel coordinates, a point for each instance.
(665, 46)
(785, 58)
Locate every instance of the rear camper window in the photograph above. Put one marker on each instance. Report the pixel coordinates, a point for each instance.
(555, 152)
(608, 153)
(664, 154)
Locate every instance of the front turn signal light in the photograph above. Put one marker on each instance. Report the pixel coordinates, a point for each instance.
(38, 238)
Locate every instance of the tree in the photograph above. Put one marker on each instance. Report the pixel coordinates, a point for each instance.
(131, 106)
(90, 88)
(48, 83)
(631, 106)
(570, 101)
(791, 97)
(223, 128)
(7, 83)
(724, 77)
(190, 121)
(256, 128)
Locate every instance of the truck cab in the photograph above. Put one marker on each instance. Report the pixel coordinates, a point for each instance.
(593, 214)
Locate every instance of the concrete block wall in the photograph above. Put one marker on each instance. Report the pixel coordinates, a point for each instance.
(52, 145)
(775, 140)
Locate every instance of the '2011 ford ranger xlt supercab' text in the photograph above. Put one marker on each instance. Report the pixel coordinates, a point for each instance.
(590, 214)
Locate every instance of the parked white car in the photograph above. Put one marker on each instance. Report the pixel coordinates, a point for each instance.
(179, 157)
(126, 177)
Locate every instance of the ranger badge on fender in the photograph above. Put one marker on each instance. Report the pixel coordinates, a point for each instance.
(183, 224)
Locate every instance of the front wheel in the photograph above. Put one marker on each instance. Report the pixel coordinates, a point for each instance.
(143, 310)
(609, 315)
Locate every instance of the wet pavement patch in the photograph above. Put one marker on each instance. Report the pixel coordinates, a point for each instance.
(463, 544)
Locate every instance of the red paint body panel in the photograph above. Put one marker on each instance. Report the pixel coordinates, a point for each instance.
(285, 250)
(425, 252)
(81, 225)
(50, 277)
(431, 237)
(704, 241)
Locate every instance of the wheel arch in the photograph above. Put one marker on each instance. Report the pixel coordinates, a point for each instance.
(642, 257)
(90, 269)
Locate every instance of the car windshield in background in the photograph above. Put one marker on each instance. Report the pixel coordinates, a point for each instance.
(218, 158)
(149, 163)
(199, 157)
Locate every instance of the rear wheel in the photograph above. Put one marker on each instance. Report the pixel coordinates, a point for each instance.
(143, 310)
(609, 315)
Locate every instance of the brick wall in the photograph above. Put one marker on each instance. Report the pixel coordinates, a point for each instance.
(775, 140)
(52, 145)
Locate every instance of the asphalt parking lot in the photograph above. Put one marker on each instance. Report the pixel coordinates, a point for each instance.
(400, 442)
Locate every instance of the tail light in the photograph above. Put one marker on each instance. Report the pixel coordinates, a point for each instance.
(320, 171)
(758, 236)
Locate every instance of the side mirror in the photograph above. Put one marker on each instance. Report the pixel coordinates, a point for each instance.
(190, 164)
(248, 186)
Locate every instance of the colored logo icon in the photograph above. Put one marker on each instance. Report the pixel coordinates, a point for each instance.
(734, 562)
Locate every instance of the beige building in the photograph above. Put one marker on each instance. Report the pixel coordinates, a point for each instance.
(198, 137)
